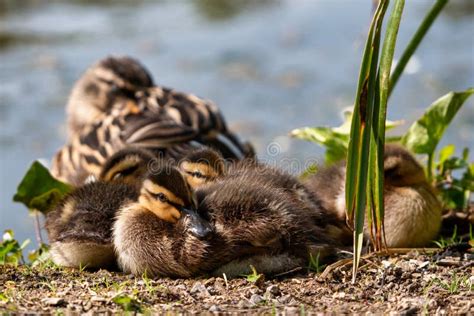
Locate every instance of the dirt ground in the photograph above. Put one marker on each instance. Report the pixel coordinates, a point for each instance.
(413, 282)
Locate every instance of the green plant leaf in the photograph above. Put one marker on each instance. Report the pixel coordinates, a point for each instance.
(424, 135)
(335, 143)
(39, 189)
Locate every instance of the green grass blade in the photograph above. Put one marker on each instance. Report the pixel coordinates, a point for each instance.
(357, 160)
(376, 160)
(415, 41)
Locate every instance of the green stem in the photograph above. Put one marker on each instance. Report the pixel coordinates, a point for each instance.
(430, 167)
(415, 41)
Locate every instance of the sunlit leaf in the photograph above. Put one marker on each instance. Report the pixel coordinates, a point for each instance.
(424, 135)
(335, 143)
(39, 189)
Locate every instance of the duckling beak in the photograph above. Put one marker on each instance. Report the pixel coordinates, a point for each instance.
(198, 226)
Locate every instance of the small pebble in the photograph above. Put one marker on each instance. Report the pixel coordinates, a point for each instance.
(214, 308)
(256, 299)
(272, 290)
(53, 301)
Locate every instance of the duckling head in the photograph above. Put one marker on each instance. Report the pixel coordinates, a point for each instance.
(202, 166)
(128, 165)
(165, 193)
(401, 168)
(102, 85)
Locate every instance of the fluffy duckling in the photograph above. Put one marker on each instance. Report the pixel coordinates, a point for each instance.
(128, 165)
(201, 166)
(412, 210)
(80, 227)
(205, 165)
(146, 240)
(255, 219)
(115, 104)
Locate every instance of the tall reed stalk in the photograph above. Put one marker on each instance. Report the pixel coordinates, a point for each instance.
(364, 180)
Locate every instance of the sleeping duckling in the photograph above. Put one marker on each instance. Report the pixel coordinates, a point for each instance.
(266, 224)
(80, 227)
(115, 105)
(412, 210)
(205, 165)
(255, 219)
(201, 166)
(145, 243)
(128, 165)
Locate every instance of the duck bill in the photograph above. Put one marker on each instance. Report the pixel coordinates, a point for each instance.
(197, 226)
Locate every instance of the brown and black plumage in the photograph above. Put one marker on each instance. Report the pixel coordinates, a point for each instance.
(80, 227)
(412, 210)
(115, 104)
(257, 217)
(128, 165)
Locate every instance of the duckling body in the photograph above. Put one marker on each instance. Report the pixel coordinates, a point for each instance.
(146, 241)
(115, 104)
(412, 210)
(255, 219)
(79, 228)
(266, 223)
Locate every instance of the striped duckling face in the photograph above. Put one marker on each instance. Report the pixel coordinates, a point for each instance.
(165, 193)
(202, 166)
(128, 166)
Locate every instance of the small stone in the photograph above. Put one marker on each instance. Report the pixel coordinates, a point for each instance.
(285, 299)
(53, 301)
(199, 288)
(214, 308)
(423, 264)
(272, 290)
(386, 264)
(242, 304)
(256, 299)
(98, 299)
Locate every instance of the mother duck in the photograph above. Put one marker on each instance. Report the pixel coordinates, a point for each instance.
(116, 104)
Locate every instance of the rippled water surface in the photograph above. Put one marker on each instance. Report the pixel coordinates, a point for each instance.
(270, 65)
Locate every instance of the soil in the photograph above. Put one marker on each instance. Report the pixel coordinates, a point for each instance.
(410, 282)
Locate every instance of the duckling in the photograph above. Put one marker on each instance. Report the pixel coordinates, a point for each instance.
(80, 227)
(147, 241)
(254, 220)
(205, 165)
(412, 210)
(201, 166)
(128, 165)
(115, 104)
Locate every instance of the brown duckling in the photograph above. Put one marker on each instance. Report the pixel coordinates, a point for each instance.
(205, 165)
(115, 105)
(255, 219)
(80, 227)
(128, 165)
(145, 243)
(412, 210)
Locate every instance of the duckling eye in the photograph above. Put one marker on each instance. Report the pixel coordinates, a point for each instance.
(197, 174)
(161, 197)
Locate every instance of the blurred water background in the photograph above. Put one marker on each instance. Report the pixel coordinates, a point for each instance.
(271, 66)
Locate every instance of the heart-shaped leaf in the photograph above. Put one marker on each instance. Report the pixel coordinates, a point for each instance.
(39, 189)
